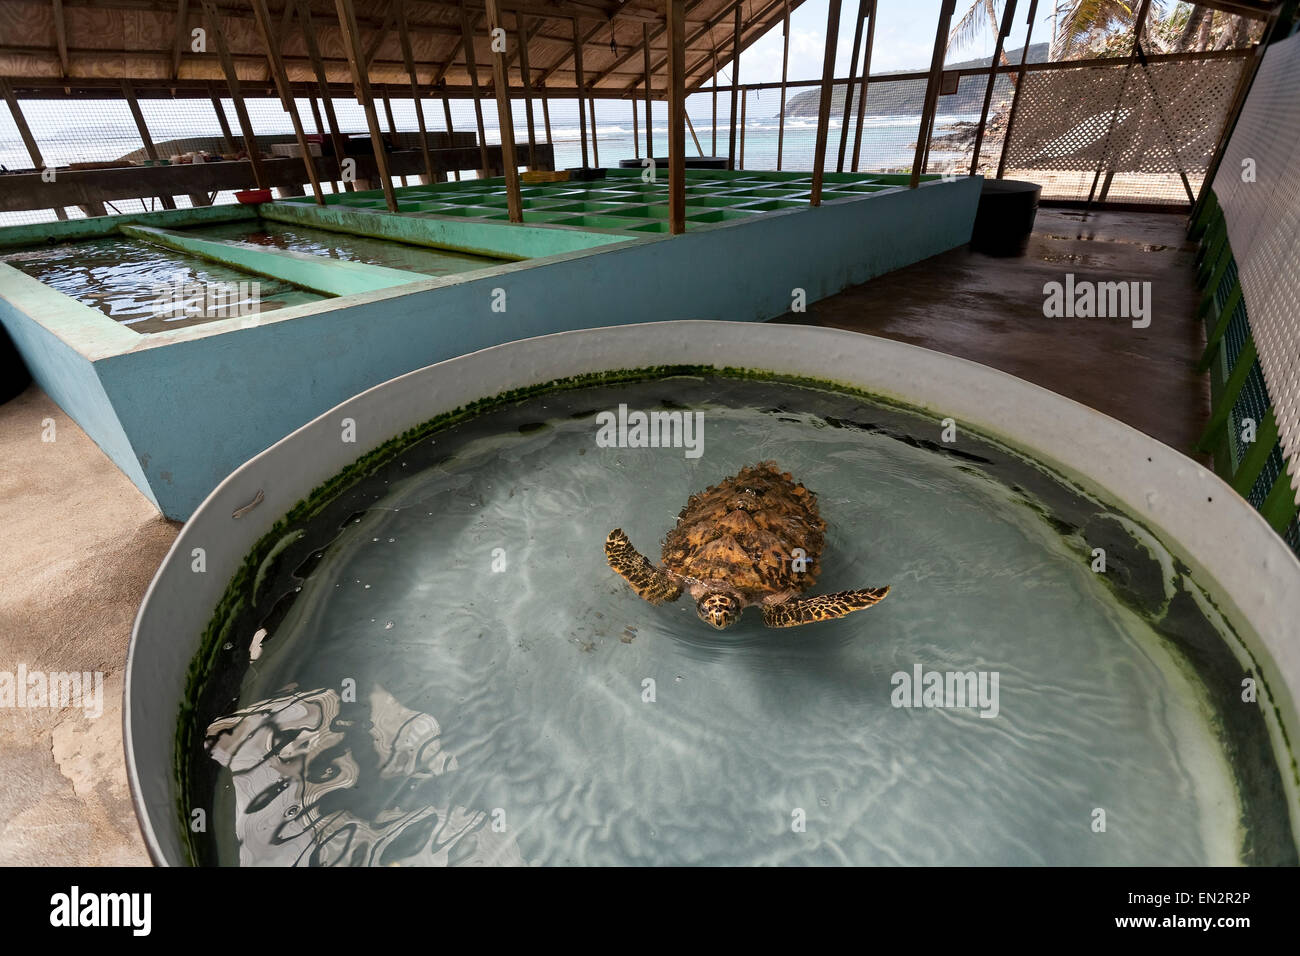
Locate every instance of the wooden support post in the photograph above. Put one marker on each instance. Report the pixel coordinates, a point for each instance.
(218, 35)
(521, 27)
(824, 109)
(546, 116)
(446, 112)
(327, 101)
(1003, 33)
(785, 71)
(409, 59)
(866, 85)
(128, 94)
(676, 13)
(388, 114)
(220, 110)
(932, 90)
(848, 90)
(392, 126)
(500, 83)
(289, 104)
(735, 86)
(744, 104)
(467, 40)
(714, 147)
(649, 111)
(578, 81)
(315, 117)
(595, 145)
(1020, 85)
(352, 45)
(691, 126)
(25, 132)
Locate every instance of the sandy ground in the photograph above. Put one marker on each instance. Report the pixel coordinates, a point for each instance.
(80, 546)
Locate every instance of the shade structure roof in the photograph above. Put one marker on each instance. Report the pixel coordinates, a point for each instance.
(98, 43)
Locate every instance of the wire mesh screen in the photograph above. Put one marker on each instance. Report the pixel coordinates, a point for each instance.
(1258, 187)
(956, 121)
(1140, 133)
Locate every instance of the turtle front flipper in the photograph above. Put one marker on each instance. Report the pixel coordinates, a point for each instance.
(824, 607)
(649, 582)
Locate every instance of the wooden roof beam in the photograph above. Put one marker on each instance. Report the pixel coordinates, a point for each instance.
(182, 33)
(777, 11)
(61, 35)
(707, 27)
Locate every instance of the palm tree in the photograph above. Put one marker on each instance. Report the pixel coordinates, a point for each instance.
(970, 26)
(1080, 22)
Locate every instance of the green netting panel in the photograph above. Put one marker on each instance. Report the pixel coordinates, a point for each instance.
(1234, 338)
(1224, 288)
(1273, 466)
(1252, 403)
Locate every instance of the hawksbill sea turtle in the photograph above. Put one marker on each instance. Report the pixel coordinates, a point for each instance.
(752, 539)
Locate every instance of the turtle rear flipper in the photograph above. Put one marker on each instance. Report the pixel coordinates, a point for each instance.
(824, 607)
(650, 583)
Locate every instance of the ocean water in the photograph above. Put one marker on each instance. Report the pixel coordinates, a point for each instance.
(440, 668)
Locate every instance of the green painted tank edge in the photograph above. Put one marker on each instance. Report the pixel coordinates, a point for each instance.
(202, 664)
(333, 277)
(495, 239)
(72, 230)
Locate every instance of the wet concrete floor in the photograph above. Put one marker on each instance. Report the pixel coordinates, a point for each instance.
(990, 310)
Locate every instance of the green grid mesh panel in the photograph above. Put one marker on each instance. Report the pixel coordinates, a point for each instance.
(1273, 467)
(1292, 535)
(1253, 402)
(1224, 288)
(1234, 337)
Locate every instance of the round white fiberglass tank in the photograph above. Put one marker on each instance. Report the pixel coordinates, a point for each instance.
(425, 659)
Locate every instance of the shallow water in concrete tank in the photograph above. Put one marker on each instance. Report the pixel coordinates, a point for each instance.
(352, 248)
(122, 277)
(441, 668)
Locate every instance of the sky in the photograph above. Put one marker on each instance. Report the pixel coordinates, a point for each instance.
(904, 39)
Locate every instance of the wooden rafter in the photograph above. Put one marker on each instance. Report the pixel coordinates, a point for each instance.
(61, 35)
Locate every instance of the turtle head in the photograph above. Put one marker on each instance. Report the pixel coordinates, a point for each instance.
(719, 609)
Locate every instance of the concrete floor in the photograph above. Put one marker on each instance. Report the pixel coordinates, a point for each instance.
(81, 543)
(80, 547)
(991, 311)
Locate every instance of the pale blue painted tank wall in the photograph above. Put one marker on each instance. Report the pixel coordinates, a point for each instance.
(195, 410)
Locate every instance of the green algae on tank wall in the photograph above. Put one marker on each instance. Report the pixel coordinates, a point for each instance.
(480, 687)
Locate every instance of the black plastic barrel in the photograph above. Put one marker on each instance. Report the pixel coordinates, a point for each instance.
(1005, 218)
(692, 162)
